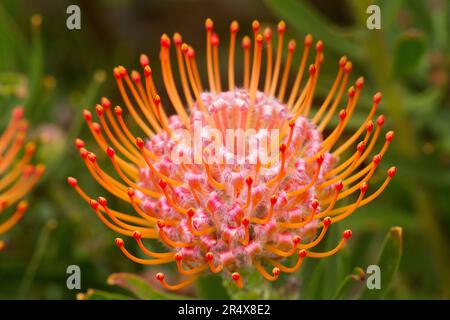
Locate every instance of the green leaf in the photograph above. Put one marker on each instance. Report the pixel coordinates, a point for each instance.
(304, 19)
(424, 103)
(388, 261)
(140, 287)
(409, 51)
(92, 294)
(351, 283)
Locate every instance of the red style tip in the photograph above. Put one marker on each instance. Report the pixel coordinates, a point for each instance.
(209, 256)
(246, 43)
(130, 192)
(119, 242)
(162, 184)
(292, 45)
(377, 97)
(326, 221)
(144, 61)
(348, 67)
(116, 73)
(234, 27)
(190, 212)
(191, 53)
(359, 83)
(351, 92)
(22, 206)
(291, 123)
(147, 71)
(165, 41)
(209, 25)
(140, 143)
(18, 113)
(249, 181)
(160, 276)
(363, 187)
(342, 114)
(283, 148)
(281, 27)
(296, 240)
(93, 204)
(236, 276)
(157, 100)
(72, 181)
(273, 200)
(315, 204)
(103, 202)
(215, 40)
(276, 271)
(267, 34)
(177, 39)
(392, 171)
(319, 46)
(245, 221)
(347, 234)
(110, 152)
(259, 39)
(137, 235)
(342, 61)
(135, 76)
(83, 153)
(79, 143)
(30, 147)
(320, 159)
(369, 126)
(97, 127)
(178, 256)
(87, 115)
(99, 110)
(92, 157)
(339, 186)
(105, 103)
(118, 111)
(302, 253)
(376, 159)
(184, 48)
(255, 26)
(389, 136)
(380, 120)
(122, 71)
(308, 40)
(312, 69)
(161, 224)
(360, 147)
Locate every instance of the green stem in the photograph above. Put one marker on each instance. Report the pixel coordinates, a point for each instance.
(36, 259)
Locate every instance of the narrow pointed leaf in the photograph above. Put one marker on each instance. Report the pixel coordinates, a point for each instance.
(140, 287)
(388, 261)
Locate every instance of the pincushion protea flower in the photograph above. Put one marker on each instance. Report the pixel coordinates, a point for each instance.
(16, 177)
(241, 213)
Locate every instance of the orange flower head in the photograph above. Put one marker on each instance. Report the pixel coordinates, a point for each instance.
(17, 175)
(202, 182)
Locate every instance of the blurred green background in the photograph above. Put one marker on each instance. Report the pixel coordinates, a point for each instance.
(56, 73)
